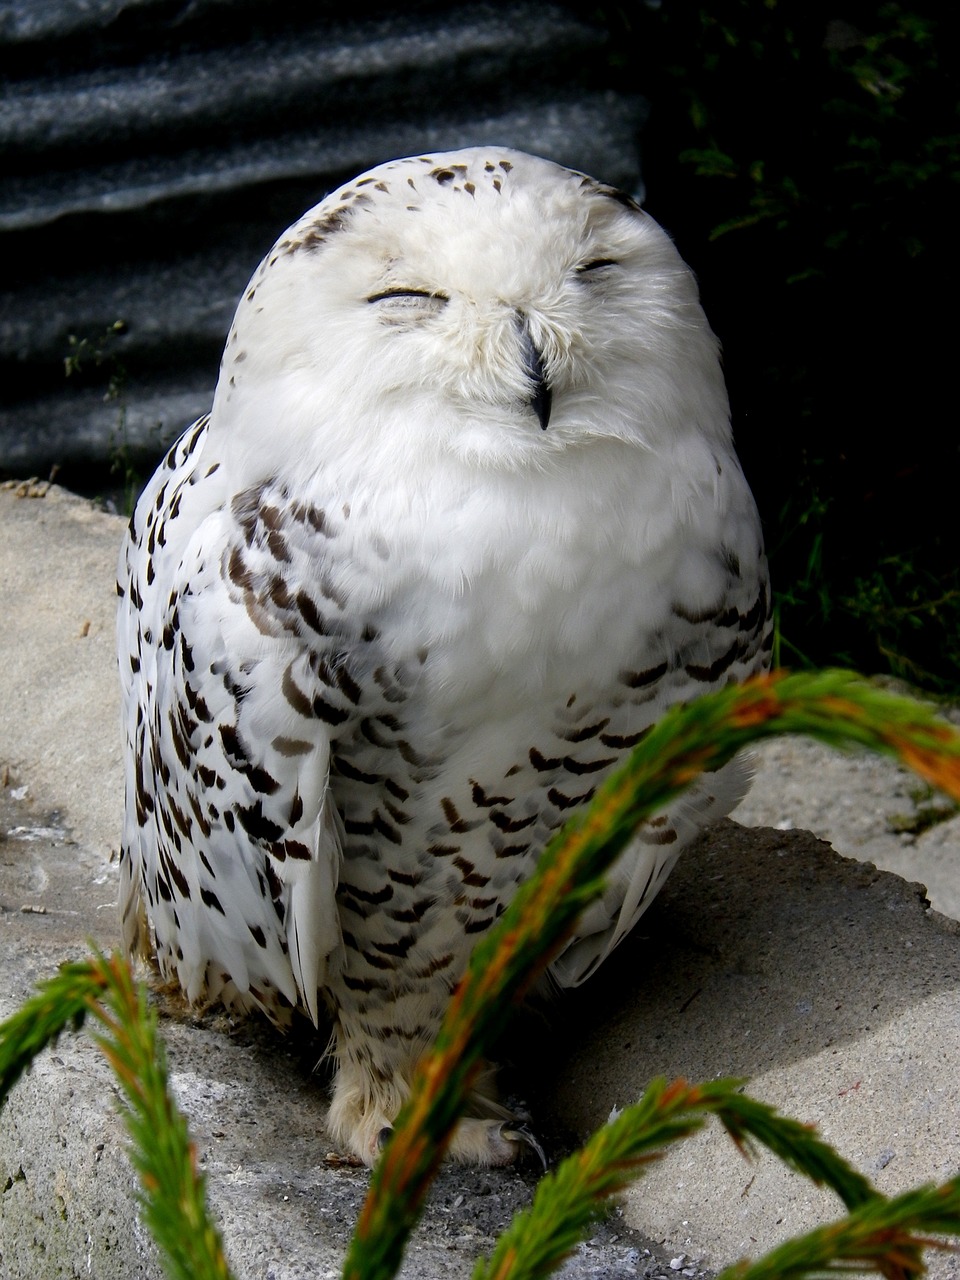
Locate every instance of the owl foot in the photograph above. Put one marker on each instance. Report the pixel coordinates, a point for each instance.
(520, 1133)
(360, 1121)
(492, 1143)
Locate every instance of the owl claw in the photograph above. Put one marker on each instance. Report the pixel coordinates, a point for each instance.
(480, 1142)
(520, 1133)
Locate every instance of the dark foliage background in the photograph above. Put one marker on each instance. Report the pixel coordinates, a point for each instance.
(805, 158)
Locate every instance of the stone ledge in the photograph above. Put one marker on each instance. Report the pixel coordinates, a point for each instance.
(829, 983)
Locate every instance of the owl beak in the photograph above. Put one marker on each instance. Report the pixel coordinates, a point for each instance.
(541, 397)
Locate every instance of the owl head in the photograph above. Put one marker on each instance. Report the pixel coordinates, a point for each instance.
(483, 305)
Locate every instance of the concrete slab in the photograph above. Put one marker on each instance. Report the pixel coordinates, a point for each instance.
(59, 695)
(827, 982)
(867, 806)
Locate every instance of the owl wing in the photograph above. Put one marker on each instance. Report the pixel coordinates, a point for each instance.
(703, 649)
(230, 833)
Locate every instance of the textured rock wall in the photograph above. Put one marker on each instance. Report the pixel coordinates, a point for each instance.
(153, 150)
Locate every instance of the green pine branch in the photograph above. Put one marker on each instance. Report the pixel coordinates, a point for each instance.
(881, 1235)
(571, 1198)
(887, 1236)
(836, 707)
(172, 1196)
(60, 1001)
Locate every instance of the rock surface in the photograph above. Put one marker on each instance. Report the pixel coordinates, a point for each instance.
(826, 981)
(867, 806)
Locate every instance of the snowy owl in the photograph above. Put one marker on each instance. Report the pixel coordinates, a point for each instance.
(464, 519)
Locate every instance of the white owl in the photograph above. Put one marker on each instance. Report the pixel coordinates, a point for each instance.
(464, 519)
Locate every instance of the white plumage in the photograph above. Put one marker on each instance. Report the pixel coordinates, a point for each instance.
(465, 517)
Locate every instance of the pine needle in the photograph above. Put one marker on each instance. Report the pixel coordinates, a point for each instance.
(173, 1197)
(835, 707)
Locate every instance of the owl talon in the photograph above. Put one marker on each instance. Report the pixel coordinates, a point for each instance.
(520, 1133)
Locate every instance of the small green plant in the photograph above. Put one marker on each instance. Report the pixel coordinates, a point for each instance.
(877, 1233)
(929, 810)
(101, 353)
(912, 615)
(818, 224)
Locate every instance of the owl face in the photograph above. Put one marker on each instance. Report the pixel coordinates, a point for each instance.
(481, 303)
